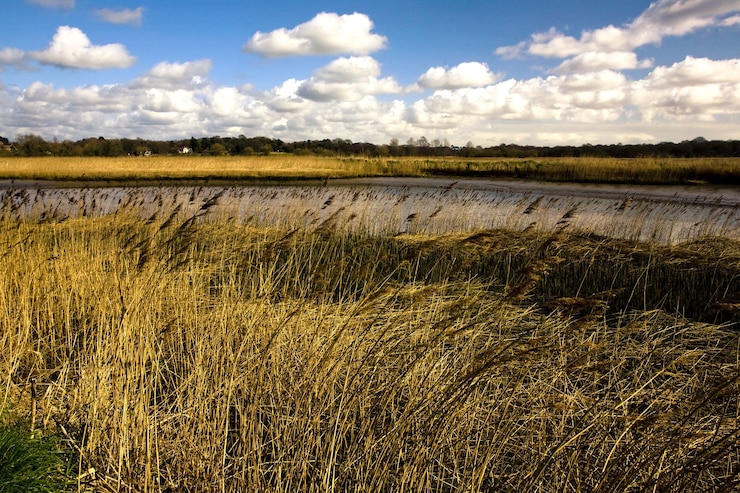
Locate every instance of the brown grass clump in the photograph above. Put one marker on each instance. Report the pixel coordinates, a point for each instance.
(188, 353)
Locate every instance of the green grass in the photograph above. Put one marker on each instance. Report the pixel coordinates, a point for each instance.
(33, 461)
(186, 352)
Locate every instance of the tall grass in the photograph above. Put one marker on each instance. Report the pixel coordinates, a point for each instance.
(281, 167)
(648, 170)
(187, 352)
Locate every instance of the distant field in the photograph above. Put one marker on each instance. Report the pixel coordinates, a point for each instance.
(282, 167)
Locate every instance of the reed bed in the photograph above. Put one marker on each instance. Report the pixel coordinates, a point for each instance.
(182, 350)
(282, 167)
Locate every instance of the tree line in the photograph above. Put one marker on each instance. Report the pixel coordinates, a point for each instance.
(34, 145)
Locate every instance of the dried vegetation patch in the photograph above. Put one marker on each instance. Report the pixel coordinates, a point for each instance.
(190, 353)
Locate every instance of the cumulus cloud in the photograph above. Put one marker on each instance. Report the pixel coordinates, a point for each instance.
(697, 88)
(696, 72)
(132, 17)
(693, 88)
(171, 101)
(662, 18)
(325, 34)
(108, 98)
(63, 4)
(167, 75)
(71, 48)
(599, 60)
(696, 96)
(12, 56)
(347, 79)
(179, 71)
(469, 74)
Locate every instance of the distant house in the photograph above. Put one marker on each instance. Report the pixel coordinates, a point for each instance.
(7, 147)
(185, 150)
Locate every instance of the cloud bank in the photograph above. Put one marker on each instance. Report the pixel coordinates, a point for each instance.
(350, 98)
(588, 93)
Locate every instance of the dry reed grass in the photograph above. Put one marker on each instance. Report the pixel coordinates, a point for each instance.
(184, 352)
(650, 170)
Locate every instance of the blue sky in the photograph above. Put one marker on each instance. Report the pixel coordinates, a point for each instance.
(487, 72)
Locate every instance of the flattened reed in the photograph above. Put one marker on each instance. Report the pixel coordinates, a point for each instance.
(177, 353)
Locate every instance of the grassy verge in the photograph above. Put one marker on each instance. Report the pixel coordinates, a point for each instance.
(189, 353)
(32, 461)
(282, 167)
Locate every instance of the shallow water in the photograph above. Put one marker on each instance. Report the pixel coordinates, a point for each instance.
(427, 205)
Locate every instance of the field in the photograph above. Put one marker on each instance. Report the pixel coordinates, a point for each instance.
(282, 167)
(186, 339)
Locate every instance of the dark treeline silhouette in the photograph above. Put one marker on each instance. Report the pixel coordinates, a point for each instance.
(34, 145)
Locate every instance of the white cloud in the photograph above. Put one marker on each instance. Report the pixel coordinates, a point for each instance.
(696, 72)
(63, 4)
(469, 74)
(71, 48)
(662, 18)
(698, 87)
(126, 16)
(179, 71)
(165, 101)
(595, 61)
(325, 34)
(731, 21)
(227, 101)
(109, 98)
(12, 56)
(285, 98)
(347, 70)
(696, 96)
(347, 79)
(175, 75)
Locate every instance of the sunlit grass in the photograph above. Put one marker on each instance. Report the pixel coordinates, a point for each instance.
(286, 167)
(185, 351)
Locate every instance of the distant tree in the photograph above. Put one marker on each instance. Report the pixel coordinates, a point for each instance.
(218, 149)
(32, 145)
(195, 145)
(69, 149)
(92, 147)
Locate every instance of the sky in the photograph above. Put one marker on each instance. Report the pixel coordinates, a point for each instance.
(530, 72)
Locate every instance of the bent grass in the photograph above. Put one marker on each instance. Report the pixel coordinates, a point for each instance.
(186, 352)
